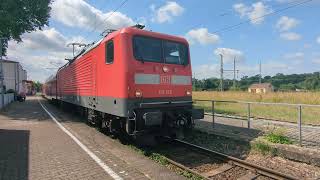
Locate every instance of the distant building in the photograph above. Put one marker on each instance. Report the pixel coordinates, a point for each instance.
(29, 87)
(260, 88)
(13, 76)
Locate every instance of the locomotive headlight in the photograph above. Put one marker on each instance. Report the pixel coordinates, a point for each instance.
(188, 93)
(138, 93)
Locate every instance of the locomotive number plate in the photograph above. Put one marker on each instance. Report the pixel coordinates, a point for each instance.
(166, 79)
(165, 92)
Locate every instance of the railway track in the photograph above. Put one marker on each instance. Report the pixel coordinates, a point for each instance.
(210, 164)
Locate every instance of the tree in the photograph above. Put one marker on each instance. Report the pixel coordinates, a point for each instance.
(38, 86)
(20, 16)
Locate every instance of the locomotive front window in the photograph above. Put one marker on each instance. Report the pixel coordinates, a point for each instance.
(160, 51)
(175, 53)
(147, 49)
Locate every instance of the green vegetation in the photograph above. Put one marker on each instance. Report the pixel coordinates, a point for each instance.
(281, 82)
(279, 139)
(157, 156)
(38, 86)
(263, 148)
(18, 17)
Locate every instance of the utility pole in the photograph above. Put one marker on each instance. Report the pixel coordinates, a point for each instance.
(221, 72)
(1, 74)
(234, 70)
(75, 44)
(260, 74)
(234, 73)
(194, 80)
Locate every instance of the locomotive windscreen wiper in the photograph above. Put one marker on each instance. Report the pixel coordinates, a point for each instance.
(139, 54)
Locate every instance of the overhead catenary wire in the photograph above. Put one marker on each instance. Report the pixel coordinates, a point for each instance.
(227, 28)
(231, 27)
(105, 20)
(234, 26)
(82, 29)
(90, 23)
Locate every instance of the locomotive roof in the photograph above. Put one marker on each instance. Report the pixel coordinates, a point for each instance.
(128, 30)
(136, 31)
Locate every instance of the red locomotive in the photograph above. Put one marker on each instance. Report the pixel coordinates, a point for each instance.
(131, 80)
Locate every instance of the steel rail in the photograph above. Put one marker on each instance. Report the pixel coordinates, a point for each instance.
(185, 168)
(238, 162)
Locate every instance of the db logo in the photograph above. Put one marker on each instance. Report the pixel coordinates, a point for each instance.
(165, 79)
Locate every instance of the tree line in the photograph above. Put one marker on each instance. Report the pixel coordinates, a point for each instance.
(280, 82)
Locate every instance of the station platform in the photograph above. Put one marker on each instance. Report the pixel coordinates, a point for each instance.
(39, 141)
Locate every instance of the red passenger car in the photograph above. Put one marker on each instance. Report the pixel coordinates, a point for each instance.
(132, 80)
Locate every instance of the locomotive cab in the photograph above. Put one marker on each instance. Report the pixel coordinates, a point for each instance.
(160, 83)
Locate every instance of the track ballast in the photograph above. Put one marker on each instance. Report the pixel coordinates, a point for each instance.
(210, 164)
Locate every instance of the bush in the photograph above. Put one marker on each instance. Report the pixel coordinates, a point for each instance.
(278, 138)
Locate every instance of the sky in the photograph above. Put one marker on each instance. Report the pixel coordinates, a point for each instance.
(284, 35)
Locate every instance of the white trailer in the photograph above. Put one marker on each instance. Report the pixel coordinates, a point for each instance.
(14, 76)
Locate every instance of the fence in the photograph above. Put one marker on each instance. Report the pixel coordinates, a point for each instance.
(8, 98)
(301, 120)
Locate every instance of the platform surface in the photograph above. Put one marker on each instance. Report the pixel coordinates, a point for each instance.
(34, 146)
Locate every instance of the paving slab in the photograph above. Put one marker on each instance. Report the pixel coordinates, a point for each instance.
(33, 146)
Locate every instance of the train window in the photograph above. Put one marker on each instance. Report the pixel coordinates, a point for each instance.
(109, 52)
(147, 49)
(175, 53)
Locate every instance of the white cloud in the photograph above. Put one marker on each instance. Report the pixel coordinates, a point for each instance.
(166, 12)
(294, 56)
(202, 36)
(39, 67)
(316, 60)
(206, 71)
(229, 54)
(254, 13)
(286, 1)
(78, 13)
(259, 9)
(286, 23)
(270, 67)
(290, 36)
(48, 39)
(41, 52)
(307, 45)
(241, 9)
(318, 40)
(273, 67)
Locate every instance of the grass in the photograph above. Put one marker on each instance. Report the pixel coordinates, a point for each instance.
(262, 145)
(263, 148)
(310, 115)
(161, 159)
(279, 139)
